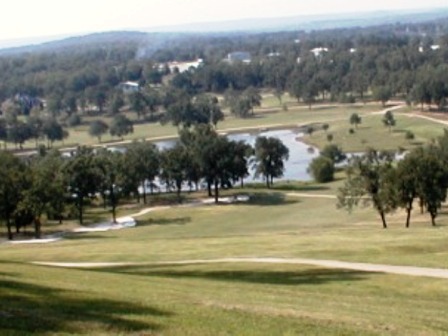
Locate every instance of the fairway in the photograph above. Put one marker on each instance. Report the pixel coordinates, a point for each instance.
(238, 298)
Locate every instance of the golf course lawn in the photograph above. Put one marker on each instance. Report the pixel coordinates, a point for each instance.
(234, 298)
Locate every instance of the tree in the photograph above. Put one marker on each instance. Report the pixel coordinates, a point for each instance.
(406, 182)
(334, 153)
(143, 164)
(325, 127)
(13, 175)
(173, 166)
(252, 95)
(355, 119)
(138, 103)
(19, 132)
(121, 126)
(322, 169)
(270, 154)
(46, 190)
(83, 178)
(53, 131)
(208, 107)
(370, 180)
(97, 129)
(111, 167)
(329, 137)
(432, 180)
(382, 94)
(389, 120)
(3, 132)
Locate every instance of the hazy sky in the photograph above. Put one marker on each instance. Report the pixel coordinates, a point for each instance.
(31, 18)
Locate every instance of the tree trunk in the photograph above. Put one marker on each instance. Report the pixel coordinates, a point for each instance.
(216, 192)
(383, 219)
(37, 227)
(144, 192)
(408, 217)
(80, 209)
(209, 188)
(267, 182)
(242, 183)
(433, 218)
(8, 225)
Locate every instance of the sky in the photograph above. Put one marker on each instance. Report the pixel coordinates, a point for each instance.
(34, 18)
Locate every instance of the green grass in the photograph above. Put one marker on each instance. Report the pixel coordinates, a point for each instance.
(235, 299)
(276, 117)
(372, 133)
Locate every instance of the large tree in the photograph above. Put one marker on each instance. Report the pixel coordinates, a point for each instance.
(13, 181)
(270, 157)
(370, 180)
(83, 178)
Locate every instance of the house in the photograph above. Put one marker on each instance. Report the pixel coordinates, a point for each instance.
(185, 66)
(129, 87)
(239, 56)
(318, 51)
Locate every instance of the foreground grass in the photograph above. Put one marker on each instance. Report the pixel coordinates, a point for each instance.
(218, 300)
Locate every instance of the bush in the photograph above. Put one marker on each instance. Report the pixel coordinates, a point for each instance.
(74, 120)
(409, 135)
(334, 153)
(351, 131)
(322, 169)
(329, 137)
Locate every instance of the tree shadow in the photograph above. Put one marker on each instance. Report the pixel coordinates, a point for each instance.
(164, 221)
(85, 236)
(292, 278)
(28, 308)
(292, 187)
(265, 198)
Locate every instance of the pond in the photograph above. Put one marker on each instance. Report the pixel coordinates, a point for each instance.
(300, 155)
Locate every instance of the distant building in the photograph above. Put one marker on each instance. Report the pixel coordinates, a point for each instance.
(319, 51)
(185, 66)
(239, 56)
(435, 47)
(352, 50)
(274, 54)
(129, 87)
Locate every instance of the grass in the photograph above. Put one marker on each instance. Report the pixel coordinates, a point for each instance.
(263, 118)
(236, 299)
(372, 133)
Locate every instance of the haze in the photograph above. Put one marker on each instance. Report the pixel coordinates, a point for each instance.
(25, 19)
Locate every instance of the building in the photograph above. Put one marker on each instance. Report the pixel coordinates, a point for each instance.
(239, 56)
(129, 87)
(185, 66)
(318, 51)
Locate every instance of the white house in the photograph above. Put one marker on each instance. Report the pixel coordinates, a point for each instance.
(129, 87)
(319, 51)
(185, 66)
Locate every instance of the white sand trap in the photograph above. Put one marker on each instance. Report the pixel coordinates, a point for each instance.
(35, 241)
(122, 223)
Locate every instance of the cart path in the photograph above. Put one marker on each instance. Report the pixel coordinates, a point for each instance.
(335, 264)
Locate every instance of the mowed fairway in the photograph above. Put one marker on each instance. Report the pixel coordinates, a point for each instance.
(234, 298)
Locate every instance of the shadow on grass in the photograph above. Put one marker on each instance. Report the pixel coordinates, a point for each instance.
(164, 221)
(28, 308)
(302, 277)
(289, 187)
(273, 198)
(85, 236)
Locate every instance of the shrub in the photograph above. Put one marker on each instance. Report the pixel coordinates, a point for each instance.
(322, 169)
(74, 120)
